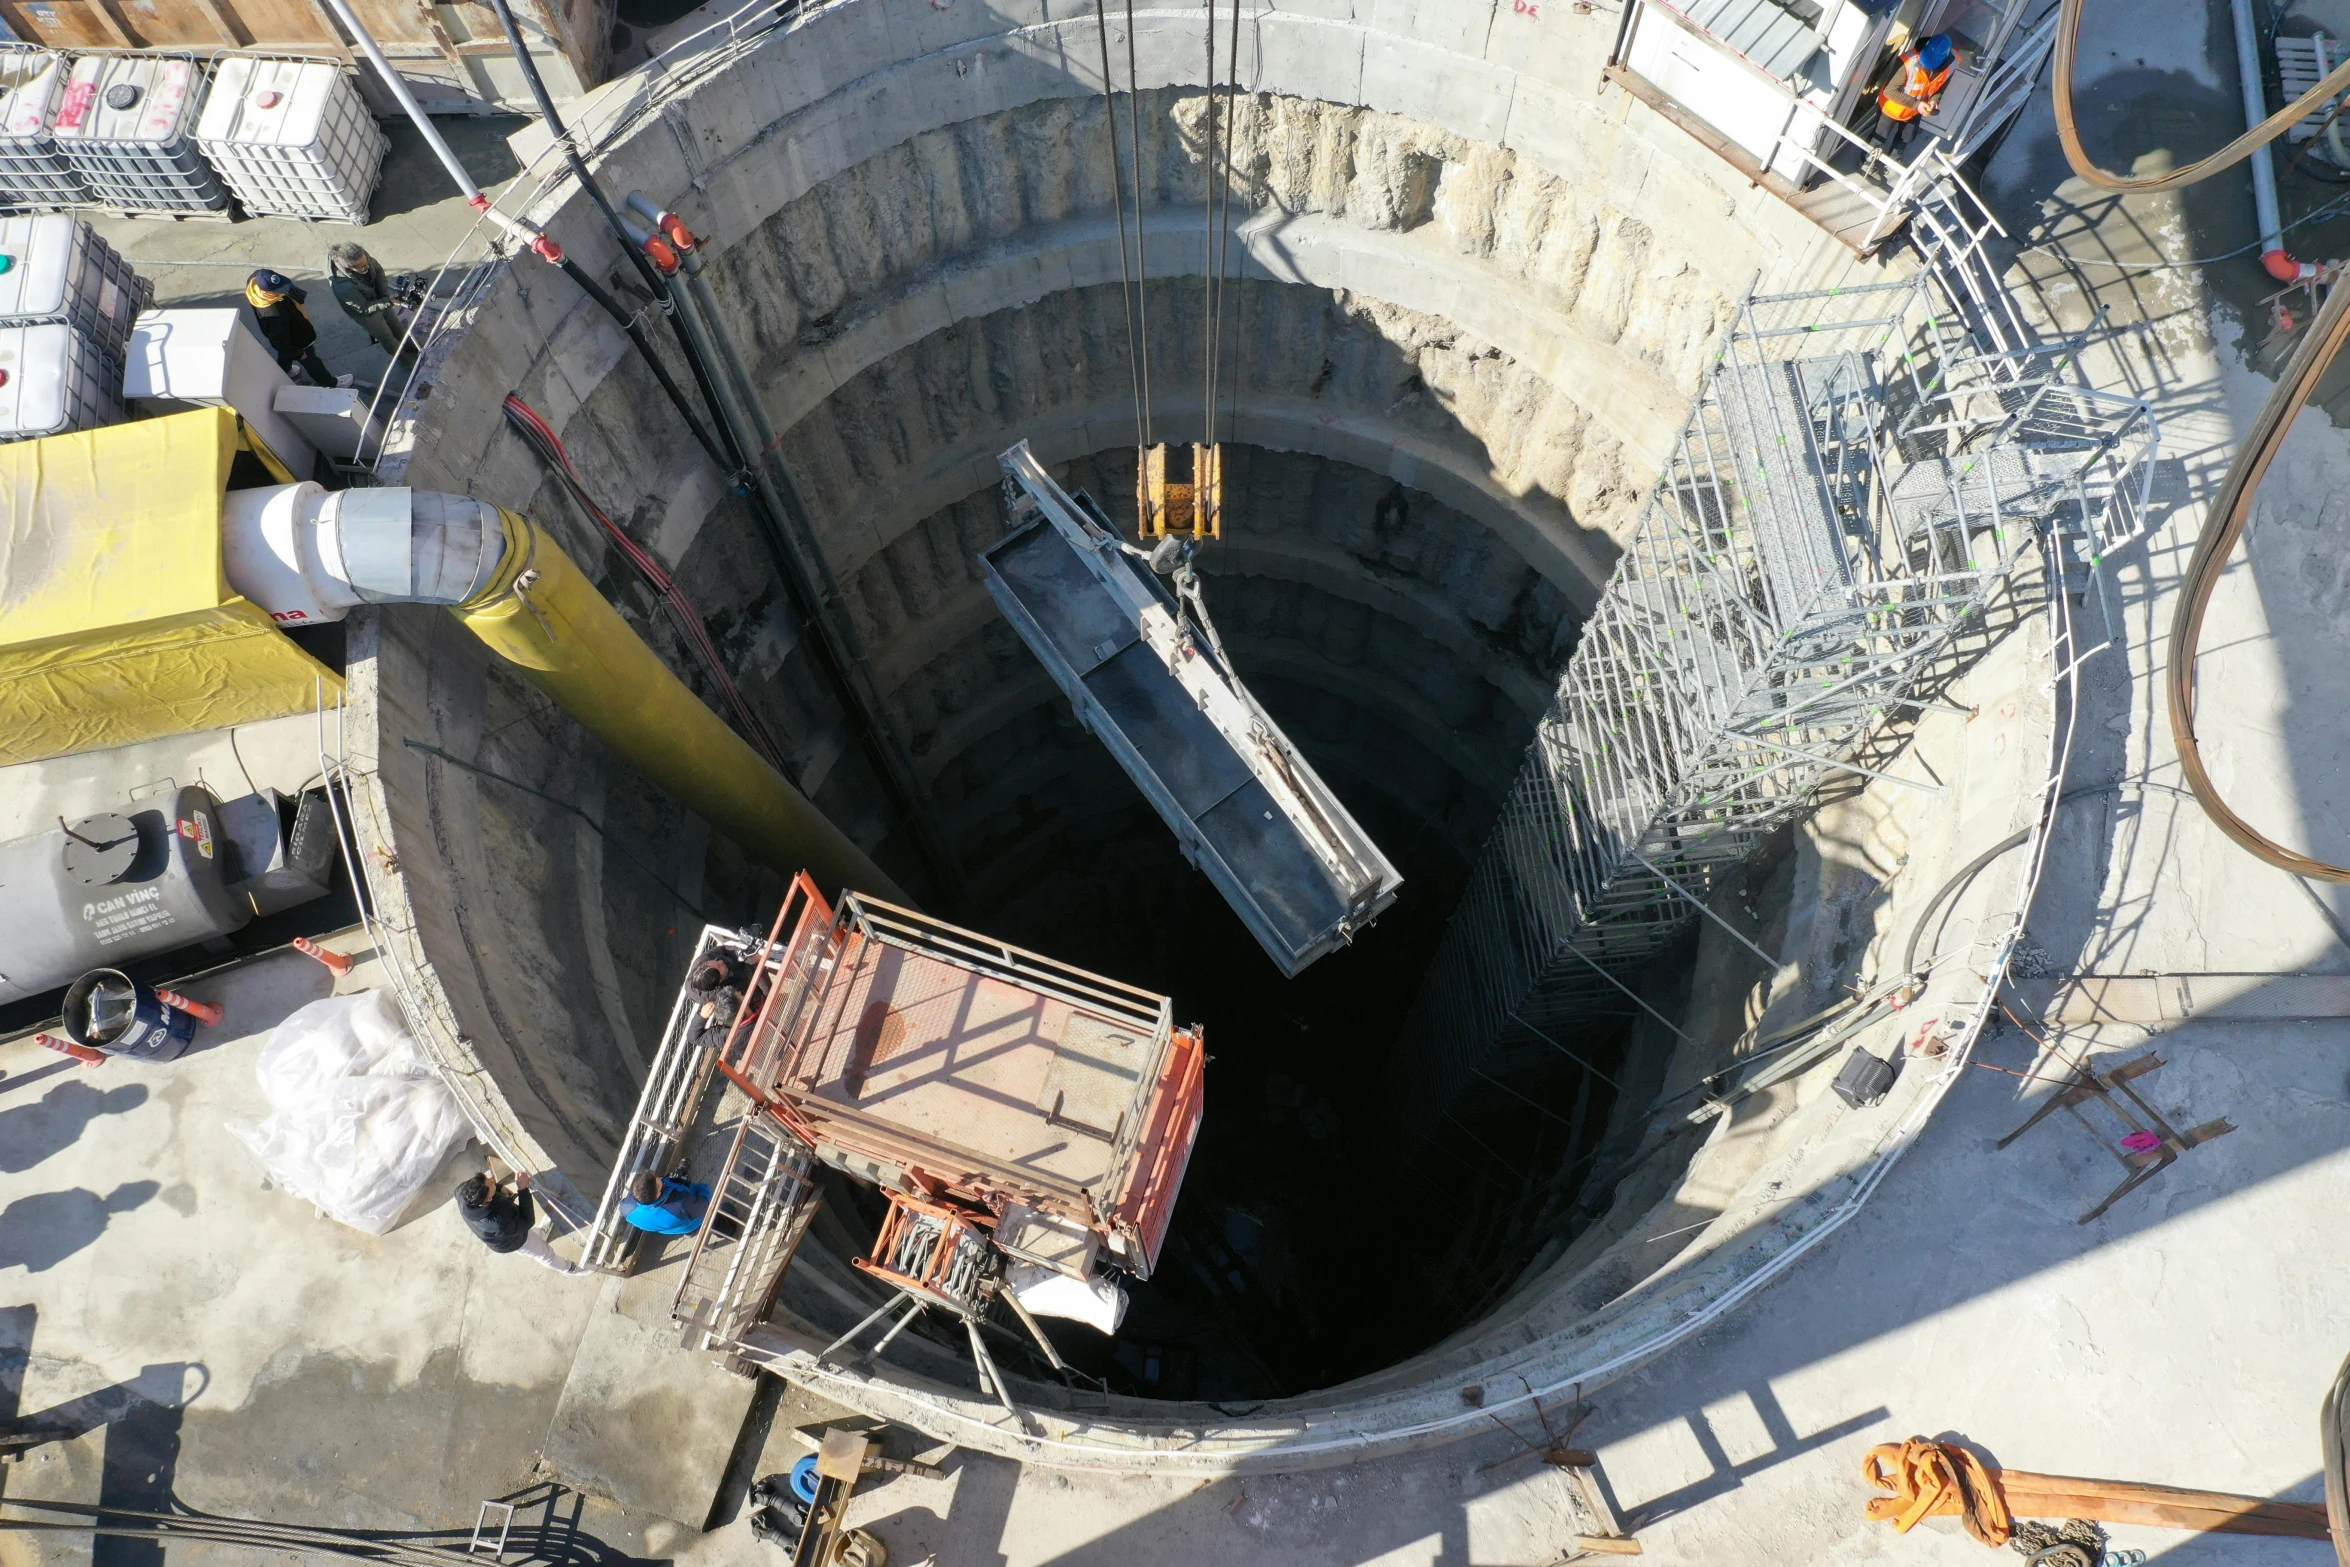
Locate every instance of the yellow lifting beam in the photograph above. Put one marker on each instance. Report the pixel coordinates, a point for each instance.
(1195, 509)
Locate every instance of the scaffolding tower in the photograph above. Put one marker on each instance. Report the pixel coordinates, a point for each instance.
(1861, 469)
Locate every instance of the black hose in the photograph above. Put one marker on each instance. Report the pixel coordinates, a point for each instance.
(636, 334)
(816, 602)
(655, 283)
(253, 1533)
(1974, 867)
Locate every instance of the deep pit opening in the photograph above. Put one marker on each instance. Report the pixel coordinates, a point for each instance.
(1315, 1241)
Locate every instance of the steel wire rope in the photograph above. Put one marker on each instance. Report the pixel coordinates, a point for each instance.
(1207, 268)
(1118, 200)
(2224, 523)
(1224, 233)
(1142, 271)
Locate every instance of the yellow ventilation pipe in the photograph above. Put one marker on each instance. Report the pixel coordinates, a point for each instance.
(307, 556)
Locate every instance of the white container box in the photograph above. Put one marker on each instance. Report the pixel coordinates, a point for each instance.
(127, 125)
(291, 138)
(33, 173)
(54, 267)
(212, 359)
(341, 421)
(52, 382)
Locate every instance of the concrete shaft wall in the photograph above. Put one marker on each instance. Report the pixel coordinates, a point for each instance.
(1474, 293)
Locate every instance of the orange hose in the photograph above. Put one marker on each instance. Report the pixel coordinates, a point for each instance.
(1930, 1479)
(2068, 37)
(2224, 526)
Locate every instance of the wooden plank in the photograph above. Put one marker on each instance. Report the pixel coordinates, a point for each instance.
(2032, 1495)
(396, 21)
(273, 23)
(220, 23)
(62, 24)
(203, 25)
(1607, 1545)
(102, 11)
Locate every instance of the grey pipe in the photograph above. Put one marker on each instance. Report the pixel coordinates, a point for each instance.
(399, 89)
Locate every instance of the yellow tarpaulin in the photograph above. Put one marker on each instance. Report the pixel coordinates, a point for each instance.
(116, 622)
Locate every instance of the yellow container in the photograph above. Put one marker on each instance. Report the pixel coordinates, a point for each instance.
(117, 623)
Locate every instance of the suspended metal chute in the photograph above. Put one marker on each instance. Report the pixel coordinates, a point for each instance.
(1247, 809)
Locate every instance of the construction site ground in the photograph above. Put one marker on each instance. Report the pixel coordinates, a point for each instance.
(218, 1343)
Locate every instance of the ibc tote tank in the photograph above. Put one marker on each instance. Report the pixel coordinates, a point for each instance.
(33, 173)
(291, 138)
(127, 126)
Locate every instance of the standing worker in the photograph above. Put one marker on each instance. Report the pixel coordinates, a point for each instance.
(277, 304)
(666, 1206)
(1915, 88)
(501, 1218)
(366, 295)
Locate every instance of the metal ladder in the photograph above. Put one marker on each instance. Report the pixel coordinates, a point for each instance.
(761, 1207)
(675, 1087)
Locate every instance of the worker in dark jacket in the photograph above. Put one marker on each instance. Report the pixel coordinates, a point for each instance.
(365, 294)
(277, 304)
(666, 1206)
(500, 1214)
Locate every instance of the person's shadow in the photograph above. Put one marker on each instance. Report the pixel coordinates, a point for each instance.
(39, 1232)
(55, 1122)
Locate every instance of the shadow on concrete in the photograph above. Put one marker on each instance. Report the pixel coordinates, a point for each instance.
(31, 1133)
(414, 178)
(37, 1233)
(141, 1418)
(971, 1532)
(546, 1529)
(25, 1080)
(1728, 1475)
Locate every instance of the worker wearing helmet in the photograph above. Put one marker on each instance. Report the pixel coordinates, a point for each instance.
(1919, 77)
(277, 306)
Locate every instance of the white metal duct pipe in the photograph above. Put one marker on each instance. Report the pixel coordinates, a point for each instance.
(308, 556)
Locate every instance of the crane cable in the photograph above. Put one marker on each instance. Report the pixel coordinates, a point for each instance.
(1135, 367)
(1219, 232)
(2224, 524)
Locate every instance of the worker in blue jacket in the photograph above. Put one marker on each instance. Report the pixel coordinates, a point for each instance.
(666, 1206)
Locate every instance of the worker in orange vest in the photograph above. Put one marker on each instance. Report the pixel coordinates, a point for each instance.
(1918, 79)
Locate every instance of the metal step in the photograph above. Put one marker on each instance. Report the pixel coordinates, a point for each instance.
(760, 1207)
(676, 1086)
(1783, 420)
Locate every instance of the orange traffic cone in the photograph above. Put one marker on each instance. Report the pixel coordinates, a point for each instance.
(335, 961)
(201, 1011)
(82, 1053)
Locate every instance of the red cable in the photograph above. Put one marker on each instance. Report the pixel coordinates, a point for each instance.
(543, 436)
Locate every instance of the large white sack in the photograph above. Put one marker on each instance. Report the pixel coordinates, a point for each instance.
(358, 1122)
(1048, 1292)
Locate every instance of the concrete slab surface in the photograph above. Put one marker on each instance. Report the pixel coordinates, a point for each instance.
(642, 1422)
